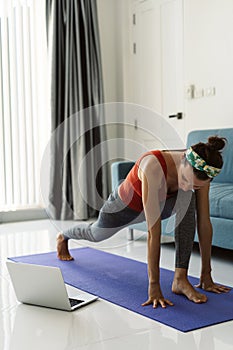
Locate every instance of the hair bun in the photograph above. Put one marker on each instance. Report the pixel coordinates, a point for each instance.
(216, 143)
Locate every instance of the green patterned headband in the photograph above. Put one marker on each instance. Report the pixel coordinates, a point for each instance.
(200, 164)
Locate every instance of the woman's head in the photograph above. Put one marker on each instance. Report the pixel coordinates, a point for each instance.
(210, 153)
(204, 161)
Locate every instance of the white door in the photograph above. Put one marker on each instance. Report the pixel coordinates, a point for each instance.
(172, 48)
(157, 61)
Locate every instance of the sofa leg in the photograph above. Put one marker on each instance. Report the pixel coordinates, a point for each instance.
(130, 234)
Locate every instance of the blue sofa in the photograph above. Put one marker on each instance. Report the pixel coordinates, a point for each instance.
(221, 191)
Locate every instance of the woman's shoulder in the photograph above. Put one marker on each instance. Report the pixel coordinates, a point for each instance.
(152, 160)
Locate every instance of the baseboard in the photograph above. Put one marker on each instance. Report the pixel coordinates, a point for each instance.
(23, 215)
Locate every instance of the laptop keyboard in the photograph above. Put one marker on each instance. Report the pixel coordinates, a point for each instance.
(74, 302)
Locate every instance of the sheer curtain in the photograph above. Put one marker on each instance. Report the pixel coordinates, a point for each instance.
(78, 179)
(24, 107)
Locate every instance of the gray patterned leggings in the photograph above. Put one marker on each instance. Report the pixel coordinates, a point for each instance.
(115, 215)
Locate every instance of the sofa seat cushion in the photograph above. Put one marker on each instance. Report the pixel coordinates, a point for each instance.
(221, 200)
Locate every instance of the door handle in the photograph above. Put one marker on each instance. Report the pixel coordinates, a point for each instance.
(179, 115)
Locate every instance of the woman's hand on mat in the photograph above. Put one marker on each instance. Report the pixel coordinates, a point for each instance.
(208, 284)
(156, 297)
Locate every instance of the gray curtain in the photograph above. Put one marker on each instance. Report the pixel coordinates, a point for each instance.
(76, 192)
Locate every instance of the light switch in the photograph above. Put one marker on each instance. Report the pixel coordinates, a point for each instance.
(210, 91)
(189, 91)
(198, 93)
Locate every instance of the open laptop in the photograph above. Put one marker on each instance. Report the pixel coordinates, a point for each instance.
(44, 286)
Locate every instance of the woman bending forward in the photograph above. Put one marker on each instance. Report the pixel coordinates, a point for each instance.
(160, 184)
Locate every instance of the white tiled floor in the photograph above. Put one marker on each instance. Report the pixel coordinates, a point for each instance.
(101, 325)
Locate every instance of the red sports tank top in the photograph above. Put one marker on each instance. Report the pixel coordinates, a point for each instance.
(130, 190)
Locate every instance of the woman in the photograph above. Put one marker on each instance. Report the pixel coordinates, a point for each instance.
(159, 184)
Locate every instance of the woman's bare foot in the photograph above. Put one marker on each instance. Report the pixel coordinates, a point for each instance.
(181, 285)
(62, 248)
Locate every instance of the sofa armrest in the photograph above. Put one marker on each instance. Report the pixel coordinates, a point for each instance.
(119, 171)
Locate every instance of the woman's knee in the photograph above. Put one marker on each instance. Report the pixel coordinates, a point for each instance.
(100, 234)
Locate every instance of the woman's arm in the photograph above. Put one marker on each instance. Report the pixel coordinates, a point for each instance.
(204, 228)
(151, 176)
(205, 233)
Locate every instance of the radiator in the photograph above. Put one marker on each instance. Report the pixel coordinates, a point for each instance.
(20, 142)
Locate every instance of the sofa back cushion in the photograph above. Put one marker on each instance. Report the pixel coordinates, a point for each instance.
(119, 171)
(196, 136)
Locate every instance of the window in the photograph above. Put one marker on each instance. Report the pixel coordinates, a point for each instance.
(24, 102)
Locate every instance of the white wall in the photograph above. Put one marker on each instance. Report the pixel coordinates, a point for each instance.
(111, 26)
(208, 57)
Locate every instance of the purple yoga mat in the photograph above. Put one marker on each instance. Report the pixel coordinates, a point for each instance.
(124, 282)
